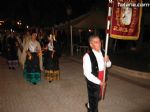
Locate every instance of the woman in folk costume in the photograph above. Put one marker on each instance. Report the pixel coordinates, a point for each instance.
(93, 68)
(51, 61)
(32, 60)
(12, 49)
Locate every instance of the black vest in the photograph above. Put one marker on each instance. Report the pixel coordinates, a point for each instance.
(94, 63)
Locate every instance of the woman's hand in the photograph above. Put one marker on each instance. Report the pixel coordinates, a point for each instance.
(41, 69)
(22, 66)
(45, 48)
(53, 53)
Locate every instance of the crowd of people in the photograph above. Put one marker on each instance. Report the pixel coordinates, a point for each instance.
(35, 52)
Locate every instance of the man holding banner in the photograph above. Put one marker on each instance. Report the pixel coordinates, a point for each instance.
(93, 68)
(124, 22)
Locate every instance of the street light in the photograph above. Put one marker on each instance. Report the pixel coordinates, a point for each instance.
(90, 30)
(19, 22)
(1, 23)
(27, 26)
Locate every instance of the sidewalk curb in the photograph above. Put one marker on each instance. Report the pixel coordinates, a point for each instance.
(122, 70)
(129, 72)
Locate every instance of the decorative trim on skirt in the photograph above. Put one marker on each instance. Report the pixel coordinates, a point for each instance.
(13, 63)
(32, 71)
(51, 75)
(32, 77)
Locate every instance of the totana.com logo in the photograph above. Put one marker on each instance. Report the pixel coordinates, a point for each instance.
(133, 4)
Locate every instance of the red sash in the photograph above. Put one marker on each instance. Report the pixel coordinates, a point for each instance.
(100, 77)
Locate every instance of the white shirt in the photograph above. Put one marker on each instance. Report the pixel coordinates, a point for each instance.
(87, 66)
(33, 46)
(50, 46)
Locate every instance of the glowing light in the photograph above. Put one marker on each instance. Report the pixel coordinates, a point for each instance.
(90, 30)
(1, 23)
(27, 26)
(19, 22)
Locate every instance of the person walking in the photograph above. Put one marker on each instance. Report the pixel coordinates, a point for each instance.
(32, 60)
(12, 51)
(93, 68)
(51, 60)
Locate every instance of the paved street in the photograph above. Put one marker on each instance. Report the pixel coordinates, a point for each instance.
(68, 94)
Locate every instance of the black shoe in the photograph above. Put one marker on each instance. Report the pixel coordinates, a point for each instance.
(34, 83)
(9, 67)
(88, 109)
(86, 105)
(13, 68)
(50, 81)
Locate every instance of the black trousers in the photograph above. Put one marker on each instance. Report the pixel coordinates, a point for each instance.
(93, 96)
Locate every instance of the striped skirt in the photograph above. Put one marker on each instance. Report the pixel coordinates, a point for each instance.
(51, 66)
(51, 75)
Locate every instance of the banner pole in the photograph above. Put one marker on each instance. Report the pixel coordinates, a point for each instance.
(71, 43)
(106, 43)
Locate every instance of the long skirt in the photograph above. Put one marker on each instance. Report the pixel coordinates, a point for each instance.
(51, 65)
(32, 69)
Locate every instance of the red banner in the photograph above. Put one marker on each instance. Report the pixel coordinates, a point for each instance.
(126, 19)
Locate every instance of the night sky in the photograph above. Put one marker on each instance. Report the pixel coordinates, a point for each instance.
(44, 12)
(48, 12)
